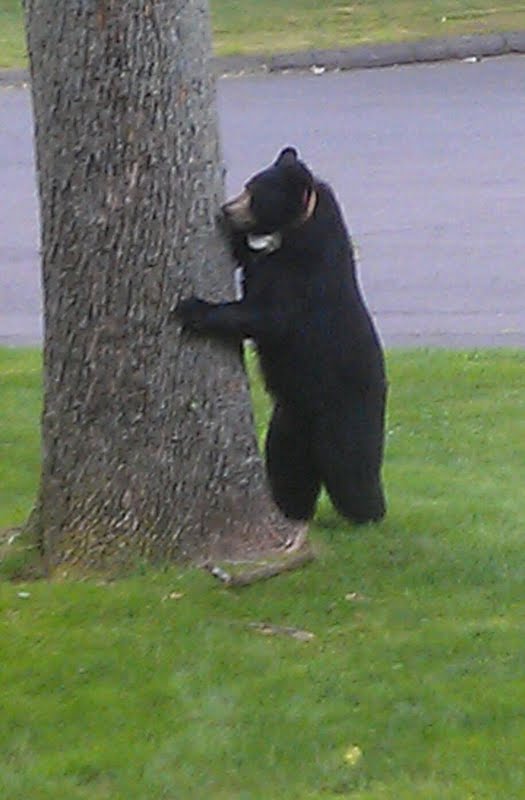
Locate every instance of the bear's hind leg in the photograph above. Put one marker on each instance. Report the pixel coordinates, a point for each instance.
(292, 474)
(349, 448)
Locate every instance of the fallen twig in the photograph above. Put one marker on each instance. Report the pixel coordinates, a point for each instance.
(267, 629)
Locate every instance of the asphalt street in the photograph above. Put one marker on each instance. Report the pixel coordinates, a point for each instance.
(426, 160)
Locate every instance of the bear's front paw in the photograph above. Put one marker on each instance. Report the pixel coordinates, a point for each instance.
(192, 313)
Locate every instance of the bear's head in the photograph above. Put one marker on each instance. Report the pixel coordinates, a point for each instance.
(279, 197)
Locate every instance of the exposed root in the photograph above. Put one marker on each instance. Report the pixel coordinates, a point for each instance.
(264, 571)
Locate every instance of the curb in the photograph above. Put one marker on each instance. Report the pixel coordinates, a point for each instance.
(358, 57)
(379, 55)
(14, 77)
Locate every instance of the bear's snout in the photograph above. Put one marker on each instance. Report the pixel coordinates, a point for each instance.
(238, 212)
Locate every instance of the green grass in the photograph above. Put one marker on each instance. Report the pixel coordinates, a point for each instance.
(250, 26)
(156, 687)
(246, 26)
(12, 37)
(20, 398)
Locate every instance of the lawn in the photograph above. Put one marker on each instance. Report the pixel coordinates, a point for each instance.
(251, 26)
(157, 686)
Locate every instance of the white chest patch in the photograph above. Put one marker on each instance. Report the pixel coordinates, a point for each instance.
(268, 243)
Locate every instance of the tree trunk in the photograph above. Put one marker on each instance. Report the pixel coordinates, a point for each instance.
(148, 438)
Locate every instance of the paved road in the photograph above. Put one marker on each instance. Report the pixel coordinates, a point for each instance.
(427, 162)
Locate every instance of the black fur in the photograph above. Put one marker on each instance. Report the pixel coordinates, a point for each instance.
(319, 351)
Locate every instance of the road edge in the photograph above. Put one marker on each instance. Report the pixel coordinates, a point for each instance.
(424, 51)
(379, 55)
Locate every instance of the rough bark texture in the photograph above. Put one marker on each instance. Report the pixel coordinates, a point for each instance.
(148, 441)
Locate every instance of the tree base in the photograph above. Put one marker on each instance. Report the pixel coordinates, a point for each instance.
(20, 556)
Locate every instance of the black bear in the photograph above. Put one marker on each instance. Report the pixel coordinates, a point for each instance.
(319, 351)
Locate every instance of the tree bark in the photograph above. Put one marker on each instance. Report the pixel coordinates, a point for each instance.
(148, 438)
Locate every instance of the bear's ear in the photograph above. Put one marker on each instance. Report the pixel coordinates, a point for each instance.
(287, 157)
